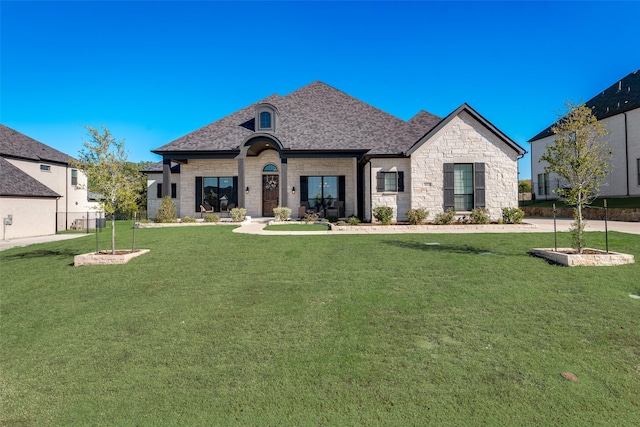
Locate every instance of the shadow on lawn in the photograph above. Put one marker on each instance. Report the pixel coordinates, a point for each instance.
(43, 253)
(436, 247)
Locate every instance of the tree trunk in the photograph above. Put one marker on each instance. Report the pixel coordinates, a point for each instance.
(579, 219)
(113, 234)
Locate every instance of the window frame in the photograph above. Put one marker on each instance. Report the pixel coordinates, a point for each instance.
(463, 200)
(74, 177)
(45, 168)
(265, 118)
(174, 190)
(638, 166)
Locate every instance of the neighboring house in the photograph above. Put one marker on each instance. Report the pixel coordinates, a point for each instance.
(319, 149)
(38, 188)
(618, 107)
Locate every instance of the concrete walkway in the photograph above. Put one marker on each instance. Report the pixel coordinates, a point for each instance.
(257, 225)
(26, 241)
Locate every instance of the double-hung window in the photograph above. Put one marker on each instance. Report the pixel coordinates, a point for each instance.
(390, 182)
(463, 187)
(543, 184)
(74, 177)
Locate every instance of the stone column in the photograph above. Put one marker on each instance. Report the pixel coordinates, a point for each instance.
(241, 184)
(166, 177)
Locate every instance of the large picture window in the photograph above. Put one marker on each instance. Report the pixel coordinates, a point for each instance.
(543, 184)
(321, 191)
(219, 192)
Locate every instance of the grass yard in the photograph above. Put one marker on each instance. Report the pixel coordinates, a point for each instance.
(217, 328)
(297, 227)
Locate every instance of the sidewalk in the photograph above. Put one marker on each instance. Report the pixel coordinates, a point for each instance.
(26, 241)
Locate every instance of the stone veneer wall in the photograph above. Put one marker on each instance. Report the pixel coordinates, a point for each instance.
(613, 214)
(187, 184)
(323, 167)
(464, 140)
(399, 201)
(153, 202)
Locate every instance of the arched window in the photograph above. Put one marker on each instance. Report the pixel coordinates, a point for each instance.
(265, 120)
(270, 168)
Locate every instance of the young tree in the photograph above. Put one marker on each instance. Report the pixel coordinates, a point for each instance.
(103, 160)
(581, 158)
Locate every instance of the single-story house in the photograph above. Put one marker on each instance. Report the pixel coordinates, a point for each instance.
(319, 149)
(40, 193)
(618, 107)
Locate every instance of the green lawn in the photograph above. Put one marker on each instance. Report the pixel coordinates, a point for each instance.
(217, 328)
(297, 227)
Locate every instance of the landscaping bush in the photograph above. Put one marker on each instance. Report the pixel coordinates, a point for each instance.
(188, 219)
(211, 218)
(480, 216)
(383, 214)
(354, 220)
(167, 211)
(417, 216)
(331, 218)
(341, 223)
(446, 217)
(310, 217)
(238, 214)
(512, 215)
(282, 213)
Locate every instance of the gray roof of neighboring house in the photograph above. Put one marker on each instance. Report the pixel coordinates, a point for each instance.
(618, 98)
(15, 182)
(17, 145)
(314, 117)
(158, 168)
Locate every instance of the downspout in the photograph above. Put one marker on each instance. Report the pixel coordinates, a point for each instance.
(66, 199)
(626, 149)
(370, 193)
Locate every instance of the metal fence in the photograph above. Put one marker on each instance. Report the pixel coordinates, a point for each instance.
(80, 221)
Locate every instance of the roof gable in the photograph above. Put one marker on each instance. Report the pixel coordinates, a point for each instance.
(15, 182)
(17, 145)
(473, 113)
(618, 98)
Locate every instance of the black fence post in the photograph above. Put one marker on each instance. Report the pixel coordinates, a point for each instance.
(606, 228)
(555, 233)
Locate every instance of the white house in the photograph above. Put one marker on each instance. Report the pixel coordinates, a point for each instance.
(39, 191)
(319, 149)
(618, 107)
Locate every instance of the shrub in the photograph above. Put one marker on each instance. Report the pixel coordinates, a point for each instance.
(238, 214)
(383, 214)
(310, 217)
(282, 213)
(331, 218)
(341, 223)
(480, 216)
(211, 218)
(354, 220)
(417, 216)
(188, 219)
(446, 217)
(512, 215)
(167, 211)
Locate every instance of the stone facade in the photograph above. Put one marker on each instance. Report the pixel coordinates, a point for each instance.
(464, 140)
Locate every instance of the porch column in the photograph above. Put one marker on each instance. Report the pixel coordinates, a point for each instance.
(241, 184)
(166, 177)
(283, 183)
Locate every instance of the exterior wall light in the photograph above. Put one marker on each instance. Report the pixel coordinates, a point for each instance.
(247, 190)
(293, 190)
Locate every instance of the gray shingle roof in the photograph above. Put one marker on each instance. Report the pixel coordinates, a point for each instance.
(17, 145)
(314, 117)
(618, 98)
(15, 182)
(158, 168)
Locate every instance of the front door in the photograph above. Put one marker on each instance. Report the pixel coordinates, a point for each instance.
(270, 194)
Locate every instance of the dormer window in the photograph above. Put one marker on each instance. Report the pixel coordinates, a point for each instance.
(266, 118)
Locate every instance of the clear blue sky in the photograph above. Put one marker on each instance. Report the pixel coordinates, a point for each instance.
(152, 71)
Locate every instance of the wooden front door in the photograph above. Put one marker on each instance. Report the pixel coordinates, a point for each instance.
(270, 194)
